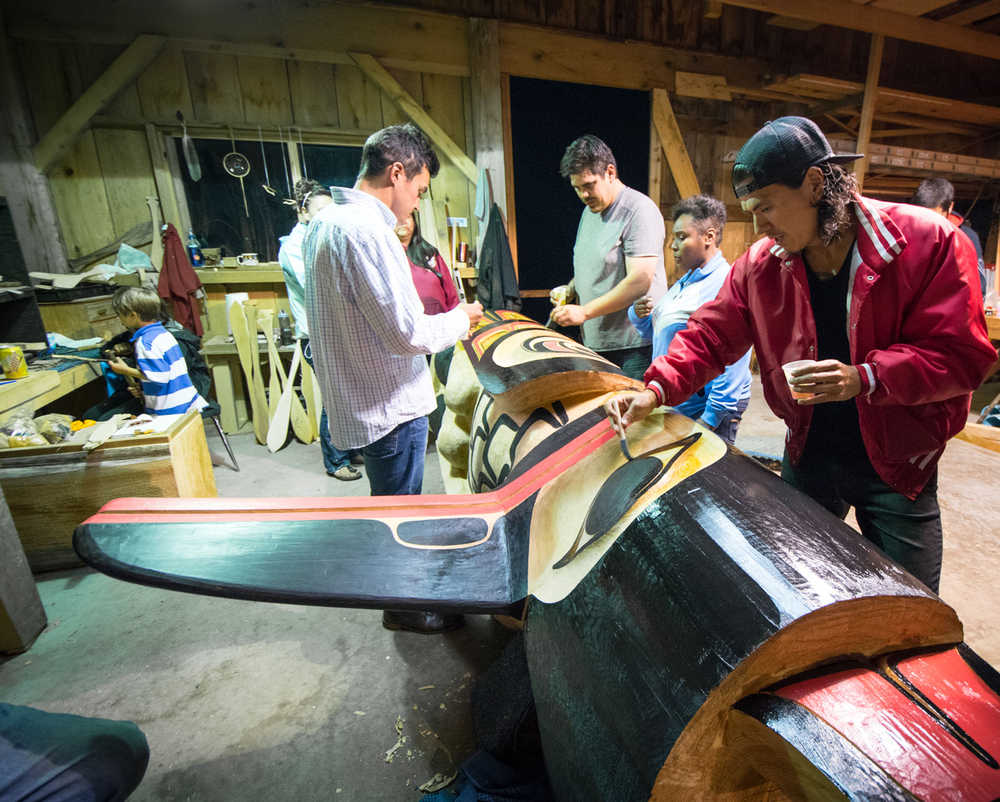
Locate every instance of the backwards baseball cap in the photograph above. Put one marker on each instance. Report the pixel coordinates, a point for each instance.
(780, 153)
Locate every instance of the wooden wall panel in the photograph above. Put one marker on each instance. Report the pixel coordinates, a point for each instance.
(215, 88)
(444, 101)
(264, 88)
(163, 87)
(313, 93)
(128, 175)
(44, 70)
(358, 99)
(81, 199)
(93, 60)
(412, 82)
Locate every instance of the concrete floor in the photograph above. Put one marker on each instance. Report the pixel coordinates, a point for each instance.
(280, 702)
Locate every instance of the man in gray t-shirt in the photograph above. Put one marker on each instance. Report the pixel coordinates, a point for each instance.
(617, 258)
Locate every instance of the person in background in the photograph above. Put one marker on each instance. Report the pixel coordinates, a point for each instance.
(698, 224)
(431, 276)
(882, 298)
(166, 386)
(310, 197)
(364, 312)
(617, 257)
(939, 194)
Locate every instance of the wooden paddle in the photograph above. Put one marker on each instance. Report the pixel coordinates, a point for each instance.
(248, 355)
(301, 424)
(278, 431)
(276, 380)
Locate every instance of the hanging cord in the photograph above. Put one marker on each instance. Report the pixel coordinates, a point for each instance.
(263, 157)
(284, 161)
(302, 150)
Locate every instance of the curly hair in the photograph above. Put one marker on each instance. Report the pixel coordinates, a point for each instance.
(833, 209)
(706, 212)
(306, 188)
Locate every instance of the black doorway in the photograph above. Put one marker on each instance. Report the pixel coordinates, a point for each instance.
(545, 117)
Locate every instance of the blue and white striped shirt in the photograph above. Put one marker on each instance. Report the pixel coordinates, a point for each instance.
(165, 382)
(670, 315)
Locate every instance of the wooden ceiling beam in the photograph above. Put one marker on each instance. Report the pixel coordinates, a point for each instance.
(673, 146)
(881, 21)
(970, 15)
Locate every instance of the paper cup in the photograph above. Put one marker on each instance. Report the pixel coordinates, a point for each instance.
(788, 367)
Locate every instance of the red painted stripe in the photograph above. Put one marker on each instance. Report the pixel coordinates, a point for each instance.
(899, 736)
(948, 681)
(195, 510)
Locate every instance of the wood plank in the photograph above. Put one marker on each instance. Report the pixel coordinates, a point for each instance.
(163, 86)
(435, 132)
(93, 60)
(128, 176)
(673, 146)
(157, 145)
(508, 157)
(693, 84)
(99, 94)
(413, 83)
(868, 107)
(264, 89)
(81, 199)
(973, 14)
(46, 88)
(980, 434)
(534, 52)
(358, 99)
(313, 90)
(28, 194)
(173, 162)
(215, 87)
(878, 20)
(487, 106)
(655, 165)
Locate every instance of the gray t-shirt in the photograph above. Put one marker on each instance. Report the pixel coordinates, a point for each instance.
(631, 226)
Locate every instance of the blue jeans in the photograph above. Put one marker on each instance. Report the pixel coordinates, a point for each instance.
(395, 463)
(730, 424)
(333, 457)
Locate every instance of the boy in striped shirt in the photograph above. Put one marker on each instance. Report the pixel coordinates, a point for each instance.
(166, 386)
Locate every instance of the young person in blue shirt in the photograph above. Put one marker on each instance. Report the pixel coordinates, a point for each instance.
(161, 369)
(697, 233)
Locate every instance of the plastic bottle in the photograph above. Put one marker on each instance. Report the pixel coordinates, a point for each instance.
(194, 250)
(285, 327)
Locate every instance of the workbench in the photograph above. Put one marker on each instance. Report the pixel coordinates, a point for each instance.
(41, 387)
(224, 363)
(51, 489)
(263, 283)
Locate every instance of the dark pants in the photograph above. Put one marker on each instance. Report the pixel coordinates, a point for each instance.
(730, 424)
(333, 457)
(632, 361)
(907, 531)
(395, 463)
(64, 758)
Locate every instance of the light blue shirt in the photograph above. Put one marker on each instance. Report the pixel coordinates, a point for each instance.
(294, 268)
(696, 288)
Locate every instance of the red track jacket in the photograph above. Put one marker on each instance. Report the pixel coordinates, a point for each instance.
(915, 326)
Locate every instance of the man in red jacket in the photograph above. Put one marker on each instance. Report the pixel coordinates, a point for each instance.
(884, 297)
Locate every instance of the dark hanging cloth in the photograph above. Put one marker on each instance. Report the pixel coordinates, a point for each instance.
(179, 282)
(497, 287)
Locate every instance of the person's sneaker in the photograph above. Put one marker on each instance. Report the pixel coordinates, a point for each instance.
(346, 473)
(357, 459)
(422, 621)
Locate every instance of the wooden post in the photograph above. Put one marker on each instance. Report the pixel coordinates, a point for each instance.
(125, 68)
(487, 111)
(22, 616)
(508, 159)
(868, 106)
(162, 177)
(655, 164)
(27, 190)
(673, 146)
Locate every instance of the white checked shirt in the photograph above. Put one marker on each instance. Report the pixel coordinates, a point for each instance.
(369, 331)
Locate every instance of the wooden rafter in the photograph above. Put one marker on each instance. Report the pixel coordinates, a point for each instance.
(136, 57)
(868, 106)
(971, 15)
(374, 70)
(877, 20)
(673, 146)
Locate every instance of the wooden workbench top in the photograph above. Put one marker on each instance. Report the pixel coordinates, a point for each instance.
(264, 273)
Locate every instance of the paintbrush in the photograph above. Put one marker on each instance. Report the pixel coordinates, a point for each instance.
(615, 416)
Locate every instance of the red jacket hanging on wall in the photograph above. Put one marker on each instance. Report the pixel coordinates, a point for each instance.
(179, 282)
